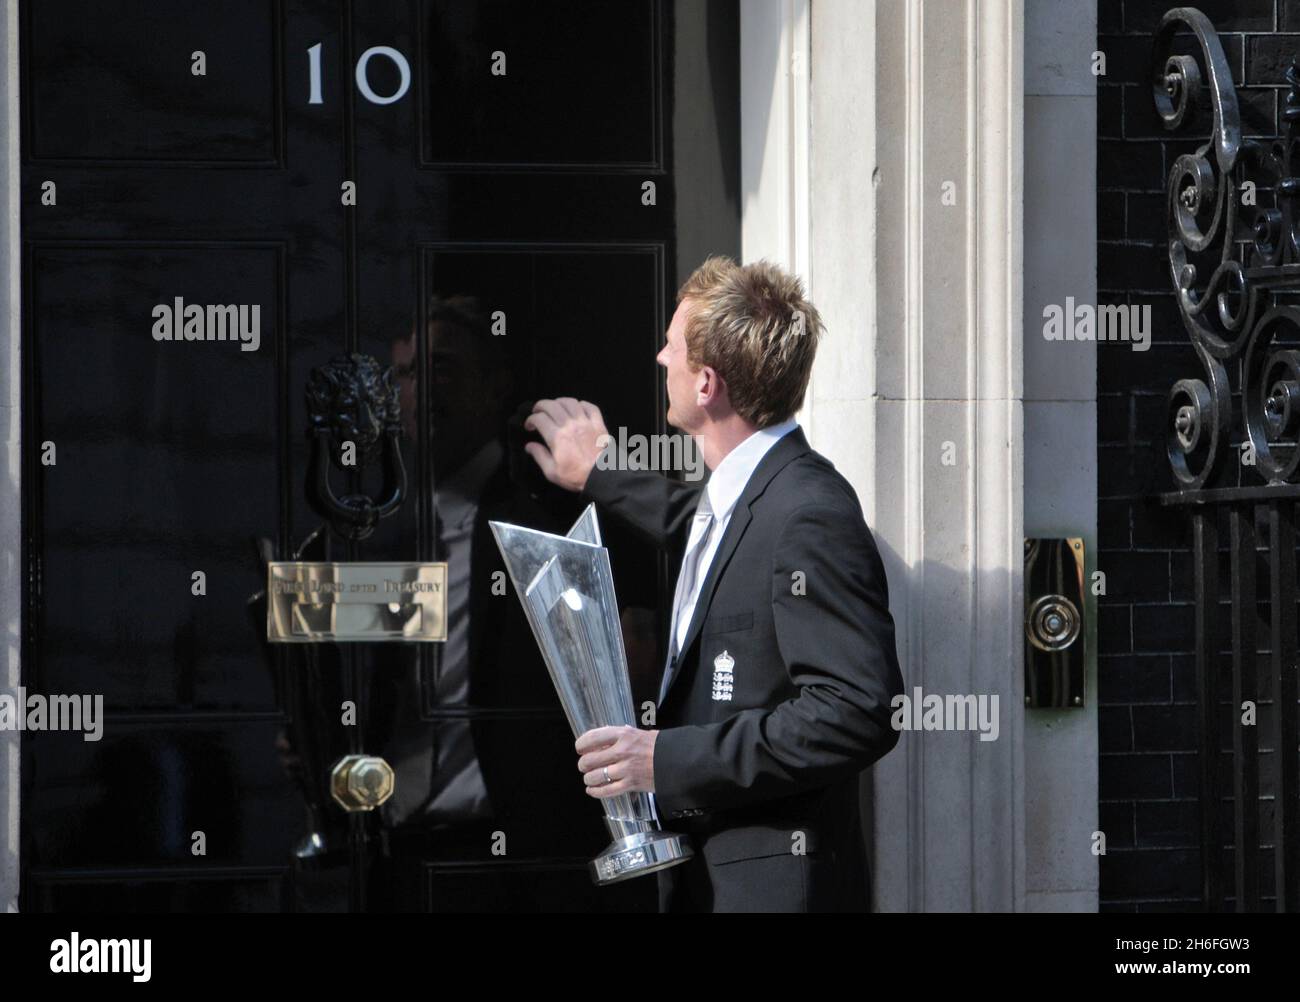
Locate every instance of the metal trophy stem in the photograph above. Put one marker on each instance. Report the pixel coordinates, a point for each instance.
(567, 590)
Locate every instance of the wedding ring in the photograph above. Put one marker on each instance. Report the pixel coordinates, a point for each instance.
(606, 771)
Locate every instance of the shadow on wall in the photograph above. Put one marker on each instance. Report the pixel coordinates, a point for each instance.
(954, 728)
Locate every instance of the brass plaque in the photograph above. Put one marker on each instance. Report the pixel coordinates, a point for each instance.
(314, 602)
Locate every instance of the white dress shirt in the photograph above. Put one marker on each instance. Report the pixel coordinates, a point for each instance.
(724, 488)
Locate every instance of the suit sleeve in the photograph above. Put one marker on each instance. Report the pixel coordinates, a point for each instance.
(654, 506)
(837, 643)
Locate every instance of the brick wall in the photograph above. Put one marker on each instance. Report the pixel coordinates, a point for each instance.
(1147, 701)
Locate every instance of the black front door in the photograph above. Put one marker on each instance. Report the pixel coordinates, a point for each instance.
(495, 199)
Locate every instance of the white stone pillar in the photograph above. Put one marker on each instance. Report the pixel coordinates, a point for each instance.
(916, 168)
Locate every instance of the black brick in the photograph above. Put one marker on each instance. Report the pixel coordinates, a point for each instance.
(1127, 266)
(1166, 322)
(1170, 824)
(1110, 215)
(1186, 781)
(1182, 906)
(1113, 521)
(1152, 414)
(1164, 728)
(1158, 527)
(1124, 472)
(1114, 471)
(1121, 369)
(1183, 676)
(1288, 15)
(1135, 678)
(1114, 627)
(1258, 107)
(1116, 822)
(1132, 165)
(1163, 628)
(1148, 218)
(1114, 419)
(1151, 873)
(1150, 411)
(1125, 777)
(1135, 576)
(1269, 56)
(1110, 16)
(1225, 15)
(1114, 729)
(1110, 111)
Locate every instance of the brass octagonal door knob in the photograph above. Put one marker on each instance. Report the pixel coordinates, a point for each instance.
(361, 782)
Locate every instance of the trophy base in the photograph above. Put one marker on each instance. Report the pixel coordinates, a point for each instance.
(637, 855)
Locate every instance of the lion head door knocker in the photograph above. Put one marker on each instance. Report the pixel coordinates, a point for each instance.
(354, 423)
(354, 419)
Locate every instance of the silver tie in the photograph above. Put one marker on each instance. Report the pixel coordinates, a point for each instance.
(701, 530)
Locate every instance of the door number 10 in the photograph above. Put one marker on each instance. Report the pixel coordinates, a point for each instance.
(363, 83)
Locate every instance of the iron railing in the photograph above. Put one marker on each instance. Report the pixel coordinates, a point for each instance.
(1234, 449)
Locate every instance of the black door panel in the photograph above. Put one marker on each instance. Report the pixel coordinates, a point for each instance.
(502, 247)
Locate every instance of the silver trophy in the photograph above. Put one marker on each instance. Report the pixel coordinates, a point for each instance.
(567, 590)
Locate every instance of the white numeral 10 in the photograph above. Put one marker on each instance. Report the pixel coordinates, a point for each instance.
(363, 84)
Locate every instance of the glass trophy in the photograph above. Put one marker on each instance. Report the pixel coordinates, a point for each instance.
(567, 590)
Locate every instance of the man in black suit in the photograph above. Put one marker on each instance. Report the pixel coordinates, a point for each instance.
(782, 666)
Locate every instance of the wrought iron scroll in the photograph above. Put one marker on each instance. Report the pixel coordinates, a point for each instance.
(1225, 276)
(1232, 262)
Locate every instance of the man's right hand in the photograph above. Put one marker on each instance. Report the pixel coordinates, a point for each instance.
(575, 436)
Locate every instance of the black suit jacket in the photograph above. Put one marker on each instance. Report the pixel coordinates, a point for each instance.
(795, 599)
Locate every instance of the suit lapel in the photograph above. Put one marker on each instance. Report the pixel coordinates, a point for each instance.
(788, 448)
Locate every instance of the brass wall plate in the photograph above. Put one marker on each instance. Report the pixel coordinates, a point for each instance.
(318, 602)
(1055, 624)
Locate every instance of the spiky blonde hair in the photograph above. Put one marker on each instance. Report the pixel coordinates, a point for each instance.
(753, 326)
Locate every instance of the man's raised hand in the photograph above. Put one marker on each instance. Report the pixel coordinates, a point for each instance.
(575, 436)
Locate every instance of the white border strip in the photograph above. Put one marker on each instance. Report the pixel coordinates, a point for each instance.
(10, 460)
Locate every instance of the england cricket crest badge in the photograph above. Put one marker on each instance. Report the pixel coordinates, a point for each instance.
(722, 676)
